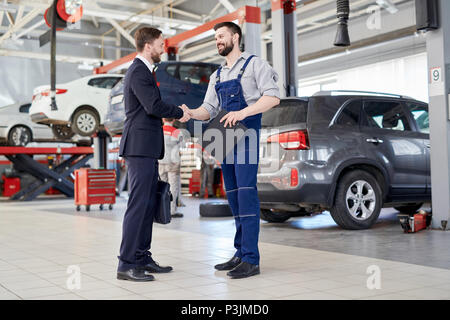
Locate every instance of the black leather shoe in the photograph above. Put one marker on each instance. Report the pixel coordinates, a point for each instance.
(154, 267)
(135, 274)
(229, 265)
(244, 270)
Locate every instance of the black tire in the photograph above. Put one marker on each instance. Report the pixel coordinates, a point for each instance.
(101, 207)
(341, 211)
(84, 143)
(274, 216)
(215, 209)
(88, 208)
(409, 209)
(110, 207)
(85, 122)
(19, 136)
(62, 131)
(78, 208)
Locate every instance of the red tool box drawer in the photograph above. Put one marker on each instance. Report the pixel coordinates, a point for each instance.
(95, 186)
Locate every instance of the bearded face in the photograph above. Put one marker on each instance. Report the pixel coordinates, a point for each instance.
(155, 49)
(224, 41)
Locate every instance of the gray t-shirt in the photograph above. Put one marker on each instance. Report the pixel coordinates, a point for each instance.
(259, 79)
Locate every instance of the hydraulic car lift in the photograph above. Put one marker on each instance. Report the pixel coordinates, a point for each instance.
(22, 158)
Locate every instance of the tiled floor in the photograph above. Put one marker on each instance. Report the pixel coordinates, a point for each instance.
(40, 243)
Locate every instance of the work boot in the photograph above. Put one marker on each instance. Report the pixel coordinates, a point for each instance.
(229, 265)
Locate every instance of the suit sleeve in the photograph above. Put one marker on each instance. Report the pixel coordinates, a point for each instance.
(146, 91)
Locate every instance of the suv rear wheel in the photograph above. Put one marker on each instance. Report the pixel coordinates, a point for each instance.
(358, 201)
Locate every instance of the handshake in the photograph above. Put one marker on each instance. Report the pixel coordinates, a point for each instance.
(187, 113)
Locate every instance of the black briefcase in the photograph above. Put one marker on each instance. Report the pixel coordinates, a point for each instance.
(164, 196)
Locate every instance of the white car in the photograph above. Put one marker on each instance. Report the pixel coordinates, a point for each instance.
(81, 105)
(17, 129)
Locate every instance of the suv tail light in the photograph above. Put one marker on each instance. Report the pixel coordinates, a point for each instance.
(291, 140)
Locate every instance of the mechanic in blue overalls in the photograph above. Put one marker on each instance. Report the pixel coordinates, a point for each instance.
(245, 85)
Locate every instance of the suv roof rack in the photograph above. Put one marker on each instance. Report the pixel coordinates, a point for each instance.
(331, 92)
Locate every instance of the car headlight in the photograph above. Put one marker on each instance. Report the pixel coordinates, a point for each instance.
(117, 99)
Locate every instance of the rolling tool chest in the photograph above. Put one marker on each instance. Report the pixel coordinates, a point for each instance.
(95, 186)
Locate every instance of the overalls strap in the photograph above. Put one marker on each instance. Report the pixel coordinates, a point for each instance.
(243, 67)
(218, 75)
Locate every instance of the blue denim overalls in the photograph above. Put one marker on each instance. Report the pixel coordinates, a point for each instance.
(240, 178)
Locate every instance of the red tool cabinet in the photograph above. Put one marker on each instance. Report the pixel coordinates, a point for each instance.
(95, 186)
(10, 186)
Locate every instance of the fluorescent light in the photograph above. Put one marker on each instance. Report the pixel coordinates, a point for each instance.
(388, 5)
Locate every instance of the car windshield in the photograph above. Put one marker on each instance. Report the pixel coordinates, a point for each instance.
(287, 112)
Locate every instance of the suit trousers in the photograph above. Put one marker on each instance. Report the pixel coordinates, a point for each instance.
(138, 219)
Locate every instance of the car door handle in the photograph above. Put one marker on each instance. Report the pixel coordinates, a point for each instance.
(181, 91)
(427, 145)
(374, 140)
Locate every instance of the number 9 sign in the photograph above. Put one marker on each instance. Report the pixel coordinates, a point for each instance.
(436, 75)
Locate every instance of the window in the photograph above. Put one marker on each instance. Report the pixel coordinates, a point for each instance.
(196, 74)
(171, 69)
(349, 116)
(104, 82)
(386, 115)
(420, 114)
(25, 108)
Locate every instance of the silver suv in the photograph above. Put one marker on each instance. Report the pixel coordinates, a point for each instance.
(351, 153)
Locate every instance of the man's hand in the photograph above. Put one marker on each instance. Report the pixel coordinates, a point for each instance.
(232, 117)
(187, 113)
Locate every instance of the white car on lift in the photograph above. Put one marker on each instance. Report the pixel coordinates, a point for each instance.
(17, 129)
(81, 105)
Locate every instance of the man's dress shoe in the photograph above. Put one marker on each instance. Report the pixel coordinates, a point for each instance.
(154, 267)
(229, 265)
(135, 274)
(244, 270)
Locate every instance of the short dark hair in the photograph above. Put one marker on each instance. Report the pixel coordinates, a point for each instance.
(233, 27)
(145, 35)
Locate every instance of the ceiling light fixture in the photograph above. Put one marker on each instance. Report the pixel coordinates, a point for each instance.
(388, 5)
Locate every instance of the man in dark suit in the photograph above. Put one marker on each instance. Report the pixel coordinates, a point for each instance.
(142, 144)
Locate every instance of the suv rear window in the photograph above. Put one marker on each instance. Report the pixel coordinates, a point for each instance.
(287, 112)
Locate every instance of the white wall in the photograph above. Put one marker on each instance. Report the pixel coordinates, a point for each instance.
(406, 76)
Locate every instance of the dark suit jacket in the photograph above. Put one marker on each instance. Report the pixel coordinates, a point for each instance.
(142, 133)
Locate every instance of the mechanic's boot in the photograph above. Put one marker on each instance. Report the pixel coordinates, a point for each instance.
(229, 265)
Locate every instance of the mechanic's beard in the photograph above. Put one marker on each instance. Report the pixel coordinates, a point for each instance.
(225, 51)
(156, 57)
